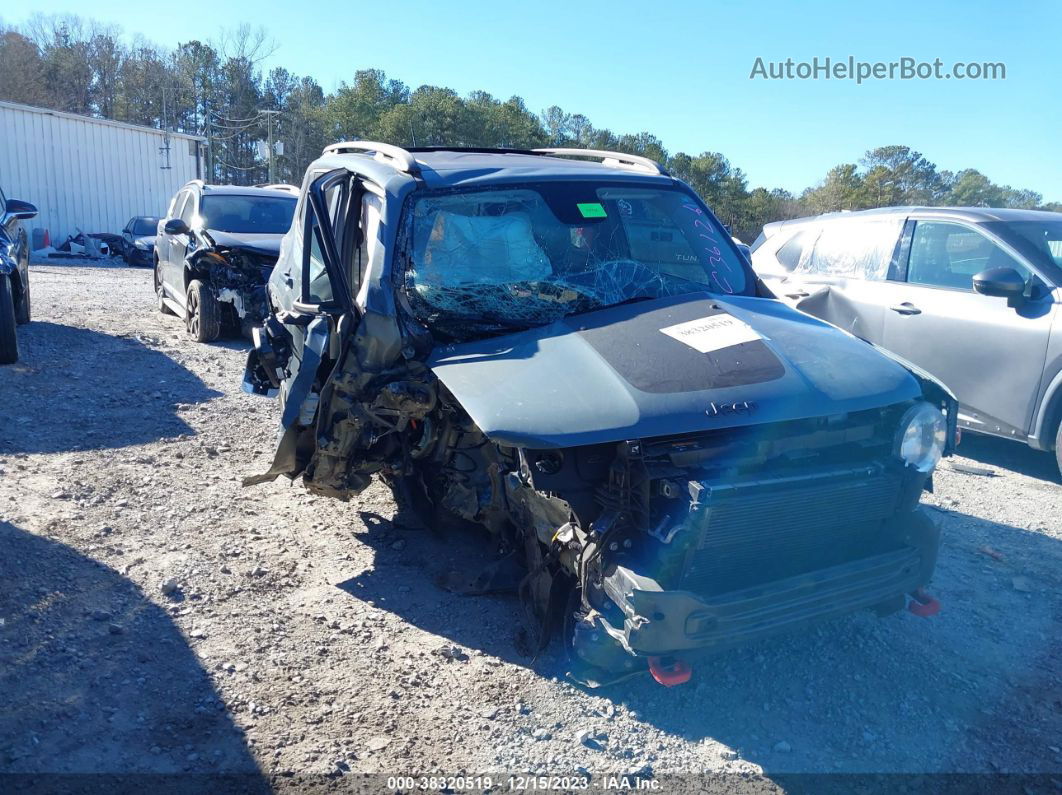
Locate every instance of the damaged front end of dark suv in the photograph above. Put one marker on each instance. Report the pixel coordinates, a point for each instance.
(666, 461)
(234, 272)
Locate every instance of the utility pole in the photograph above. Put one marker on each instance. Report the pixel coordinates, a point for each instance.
(269, 114)
(207, 127)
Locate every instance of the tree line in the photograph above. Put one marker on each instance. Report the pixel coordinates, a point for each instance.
(219, 90)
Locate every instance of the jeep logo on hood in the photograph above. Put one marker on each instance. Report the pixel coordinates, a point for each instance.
(725, 409)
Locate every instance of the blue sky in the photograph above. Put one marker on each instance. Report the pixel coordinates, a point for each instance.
(682, 72)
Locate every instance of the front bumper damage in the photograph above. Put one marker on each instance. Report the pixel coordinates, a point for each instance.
(237, 278)
(845, 541)
(659, 622)
(140, 256)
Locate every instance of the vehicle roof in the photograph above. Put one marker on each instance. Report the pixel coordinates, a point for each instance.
(441, 168)
(973, 214)
(240, 190)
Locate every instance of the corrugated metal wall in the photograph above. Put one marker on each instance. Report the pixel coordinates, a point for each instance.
(89, 173)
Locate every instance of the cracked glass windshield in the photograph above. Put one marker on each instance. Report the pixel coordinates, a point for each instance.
(524, 256)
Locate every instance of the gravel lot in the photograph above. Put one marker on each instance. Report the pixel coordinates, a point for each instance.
(158, 617)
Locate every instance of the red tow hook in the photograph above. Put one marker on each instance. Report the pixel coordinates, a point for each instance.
(922, 604)
(670, 671)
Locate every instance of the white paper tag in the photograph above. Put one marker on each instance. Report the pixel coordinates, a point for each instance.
(712, 333)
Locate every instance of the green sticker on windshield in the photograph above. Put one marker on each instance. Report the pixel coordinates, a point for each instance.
(591, 210)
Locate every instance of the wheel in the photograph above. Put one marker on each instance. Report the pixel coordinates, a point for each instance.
(159, 293)
(8, 341)
(204, 314)
(22, 314)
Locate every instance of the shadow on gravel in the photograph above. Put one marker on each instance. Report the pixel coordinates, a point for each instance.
(490, 622)
(1012, 455)
(97, 679)
(77, 389)
(973, 689)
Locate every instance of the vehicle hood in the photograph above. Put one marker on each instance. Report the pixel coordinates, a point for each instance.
(267, 245)
(147, 240)
(671, 365)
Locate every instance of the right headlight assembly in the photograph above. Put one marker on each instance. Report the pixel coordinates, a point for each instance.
(921, 437)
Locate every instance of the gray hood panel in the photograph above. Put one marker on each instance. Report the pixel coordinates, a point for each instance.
(614, 374)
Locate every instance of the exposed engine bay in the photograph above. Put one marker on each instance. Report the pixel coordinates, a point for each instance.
(237, 276)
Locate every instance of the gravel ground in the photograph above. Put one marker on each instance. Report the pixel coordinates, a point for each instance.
(155, 616)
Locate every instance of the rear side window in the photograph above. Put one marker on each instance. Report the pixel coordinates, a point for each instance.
(793, 249)
(855, 248)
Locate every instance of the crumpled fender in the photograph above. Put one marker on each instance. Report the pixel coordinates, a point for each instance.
(285, 460)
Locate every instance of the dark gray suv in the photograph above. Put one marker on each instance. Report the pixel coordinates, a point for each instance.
(571, 357)
(969, 294)
(14, 273)
(213, 253)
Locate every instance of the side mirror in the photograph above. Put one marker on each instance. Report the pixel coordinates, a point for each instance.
(20, 209)
(175, 226)
(1000, 283)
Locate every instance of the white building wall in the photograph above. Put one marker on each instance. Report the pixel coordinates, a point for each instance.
(89, 173)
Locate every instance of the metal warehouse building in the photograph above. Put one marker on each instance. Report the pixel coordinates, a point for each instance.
(91, 174)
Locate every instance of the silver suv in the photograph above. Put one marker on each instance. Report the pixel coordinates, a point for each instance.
(969, 294)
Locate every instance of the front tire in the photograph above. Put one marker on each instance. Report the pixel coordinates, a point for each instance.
(8, 340)
(204, 314)
(1058, 447)
(24, 310)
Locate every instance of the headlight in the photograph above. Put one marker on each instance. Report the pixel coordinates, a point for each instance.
(921, 437)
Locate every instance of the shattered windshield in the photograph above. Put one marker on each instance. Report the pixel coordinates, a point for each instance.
(263, 215)
(524, 256)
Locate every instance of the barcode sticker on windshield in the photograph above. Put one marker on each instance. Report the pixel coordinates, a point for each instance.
(713, 333)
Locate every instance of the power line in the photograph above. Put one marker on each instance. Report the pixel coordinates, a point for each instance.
(238, 168)
(236, 121)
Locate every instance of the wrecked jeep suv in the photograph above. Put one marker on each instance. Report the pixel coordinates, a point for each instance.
(572, 354)
(215, 250)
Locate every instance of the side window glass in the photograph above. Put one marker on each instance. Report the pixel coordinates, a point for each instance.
(317, 287)
(178, 205)
(949, 255)
(371, 208)
(188, 210)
